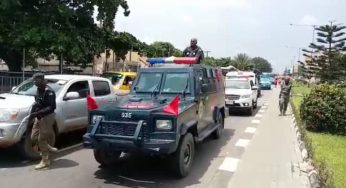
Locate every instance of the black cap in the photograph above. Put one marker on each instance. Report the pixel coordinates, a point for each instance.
(38, 76)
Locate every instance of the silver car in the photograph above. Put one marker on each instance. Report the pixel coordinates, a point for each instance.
(71, 112)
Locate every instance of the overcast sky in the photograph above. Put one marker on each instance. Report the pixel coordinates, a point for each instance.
(227, 27)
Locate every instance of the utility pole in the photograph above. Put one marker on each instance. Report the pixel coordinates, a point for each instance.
(207, 52)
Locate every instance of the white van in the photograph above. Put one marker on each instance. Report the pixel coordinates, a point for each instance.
(241, 94)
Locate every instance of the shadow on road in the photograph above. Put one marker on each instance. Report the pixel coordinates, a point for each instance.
(10, 157)
(242, 113)
(145, 171)
(63, 163)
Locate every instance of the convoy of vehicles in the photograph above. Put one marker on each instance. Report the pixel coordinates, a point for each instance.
(170, 108)
(71, 112)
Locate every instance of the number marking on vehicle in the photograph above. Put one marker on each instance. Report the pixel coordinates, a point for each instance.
(126, 115)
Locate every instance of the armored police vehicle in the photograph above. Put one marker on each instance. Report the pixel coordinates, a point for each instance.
(171, 107)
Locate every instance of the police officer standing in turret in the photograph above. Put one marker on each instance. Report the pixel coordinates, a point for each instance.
(43, 115)
(194, 51)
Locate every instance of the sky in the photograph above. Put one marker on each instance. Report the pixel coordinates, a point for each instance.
(228, 27)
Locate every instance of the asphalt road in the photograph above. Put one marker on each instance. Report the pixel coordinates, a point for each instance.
(76, 167)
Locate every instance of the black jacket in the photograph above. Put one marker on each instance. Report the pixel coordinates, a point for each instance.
(44, 102)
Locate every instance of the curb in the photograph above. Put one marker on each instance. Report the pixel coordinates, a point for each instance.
(308, 167)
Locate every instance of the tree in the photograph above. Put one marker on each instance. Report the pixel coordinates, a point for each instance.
(46, 28)
(323, 56)
(217, 62)
(261, 64)
(162, 49)
(242, 62)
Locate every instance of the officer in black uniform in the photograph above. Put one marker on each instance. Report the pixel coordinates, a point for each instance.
(44, 117)
(194, 51)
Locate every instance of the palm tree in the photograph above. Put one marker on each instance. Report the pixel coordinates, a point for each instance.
(242, 62)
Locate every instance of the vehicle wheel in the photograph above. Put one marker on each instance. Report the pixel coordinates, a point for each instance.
(229, 112)
(106, 158)
(182, 159)
(27, 151)
(221, 123)
(250, 110)
(255, 105)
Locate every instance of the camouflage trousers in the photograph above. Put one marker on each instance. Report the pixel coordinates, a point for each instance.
(283, 103)
(42, 133)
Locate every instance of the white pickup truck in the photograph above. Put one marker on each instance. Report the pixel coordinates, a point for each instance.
(240, 94)
(71, 112)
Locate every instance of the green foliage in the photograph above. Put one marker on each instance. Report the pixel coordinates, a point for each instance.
(261, 64)
(324, 109)
(62, 27)
(242, 62)
(162, 49)
(325, 57)
(222, 62)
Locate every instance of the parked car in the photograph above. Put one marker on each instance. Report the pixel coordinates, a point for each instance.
(121, 81)
(153, 120)
(241, 95)
(71, 112)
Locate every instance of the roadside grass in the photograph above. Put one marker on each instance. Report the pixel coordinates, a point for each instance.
(327, 151)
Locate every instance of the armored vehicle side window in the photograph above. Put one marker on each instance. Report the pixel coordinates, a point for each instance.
(148, 82)
(101, 88)
(81, 87)
(176, 83)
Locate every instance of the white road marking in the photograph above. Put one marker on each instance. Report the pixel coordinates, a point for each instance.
(264, 107)
(259, 115)
(255, 121)
(251, 130)
(261, 111)
(229, 164)
(242, 143)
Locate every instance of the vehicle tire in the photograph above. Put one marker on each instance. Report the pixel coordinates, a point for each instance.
(25, 148)
(229, 112)
(221, 123)
(255, 105)
(183, 158)
(250, 110)
(106, 158)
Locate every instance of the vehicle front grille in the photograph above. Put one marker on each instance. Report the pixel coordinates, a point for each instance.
(121, 129)
(233, 97)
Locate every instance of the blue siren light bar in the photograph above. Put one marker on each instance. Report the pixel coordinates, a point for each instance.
(176, 60)
(156, 60)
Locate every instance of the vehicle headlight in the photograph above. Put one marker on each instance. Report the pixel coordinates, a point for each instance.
(8, 115)
(96, 118)
(245, 96)
(164, 125)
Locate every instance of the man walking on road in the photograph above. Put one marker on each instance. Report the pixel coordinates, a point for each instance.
(43, 115)
(284, 97)
(194, 51)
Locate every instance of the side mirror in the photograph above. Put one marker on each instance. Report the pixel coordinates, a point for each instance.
(254, 88)
(71, 96)
(13, 88)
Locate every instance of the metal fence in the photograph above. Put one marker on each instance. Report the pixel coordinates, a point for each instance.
(8, 80)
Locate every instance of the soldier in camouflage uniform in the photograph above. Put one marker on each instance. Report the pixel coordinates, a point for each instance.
(43, 115)
(194, 51)
(284, 97)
